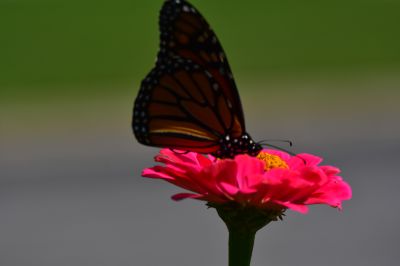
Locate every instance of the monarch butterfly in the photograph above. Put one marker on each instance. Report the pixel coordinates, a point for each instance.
(189, 100)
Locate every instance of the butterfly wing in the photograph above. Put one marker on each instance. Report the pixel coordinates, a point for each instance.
(185, 33)
(189, 100)
(180, 105)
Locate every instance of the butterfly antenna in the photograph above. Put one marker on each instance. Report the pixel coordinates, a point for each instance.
(282, 149)
(265, 141)
(304, 160)
(278, 148)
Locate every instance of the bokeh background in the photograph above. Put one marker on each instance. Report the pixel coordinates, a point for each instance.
(324, 74)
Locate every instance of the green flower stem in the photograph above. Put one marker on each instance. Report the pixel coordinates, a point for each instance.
(243, 222)
(241, 244)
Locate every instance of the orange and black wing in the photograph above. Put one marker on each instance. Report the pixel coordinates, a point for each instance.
(185, 33)
(189, 100)
(181, 106)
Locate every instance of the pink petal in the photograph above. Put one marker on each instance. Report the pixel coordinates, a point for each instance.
(295, 207)
(156, 172)
(182, 196)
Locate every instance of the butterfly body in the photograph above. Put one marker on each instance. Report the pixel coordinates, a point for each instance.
(189, 100)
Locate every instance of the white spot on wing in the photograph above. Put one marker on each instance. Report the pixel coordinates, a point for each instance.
(215, 86)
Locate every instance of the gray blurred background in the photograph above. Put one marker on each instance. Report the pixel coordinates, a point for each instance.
(323, 74)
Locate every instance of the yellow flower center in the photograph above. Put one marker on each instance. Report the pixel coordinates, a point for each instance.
(271, 161)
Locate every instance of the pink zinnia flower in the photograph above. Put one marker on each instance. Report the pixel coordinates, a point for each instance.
(273, 180)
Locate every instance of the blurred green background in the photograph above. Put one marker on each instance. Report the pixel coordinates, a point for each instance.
(88, 47)
(325, 74)
(65, 65)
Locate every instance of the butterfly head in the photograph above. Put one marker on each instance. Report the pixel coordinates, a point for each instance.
(229, 146)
